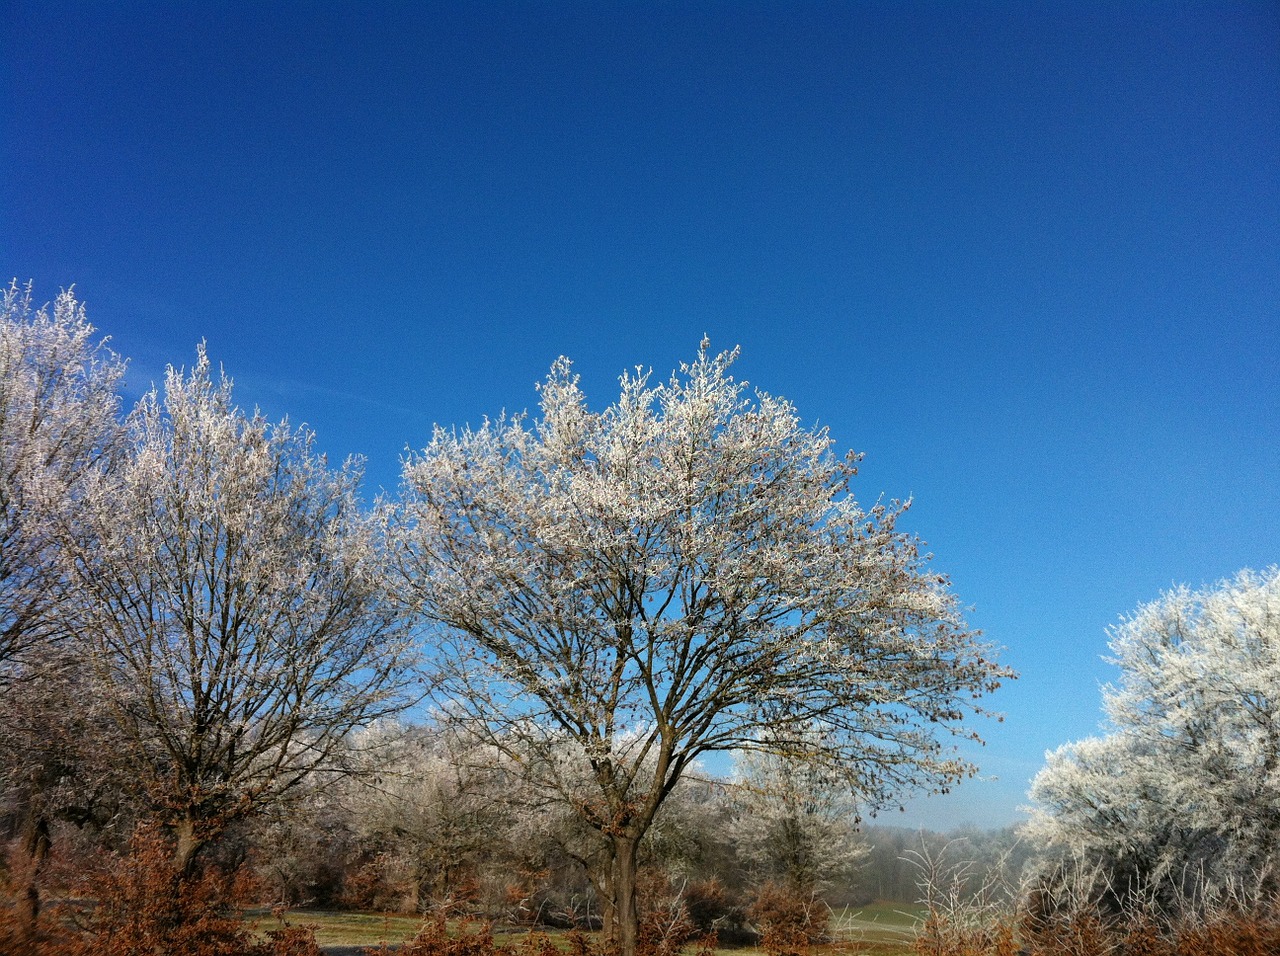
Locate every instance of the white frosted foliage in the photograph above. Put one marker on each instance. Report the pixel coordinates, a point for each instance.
(683, 572)
(231, 596)
(58, 421)
(1189, 773)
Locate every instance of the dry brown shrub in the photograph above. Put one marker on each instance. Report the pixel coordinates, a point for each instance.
(538, 944)
(665, 929)
(711, 908)
(143, 906)
(476, 939)
(13, 930)
(674, 916)
(362, 887)
(939, 936)
(1142, 936)
(22, 932)
(1006, 940)
(472, 938)
(578, 944)
(290, 941)
(789, 922)
(705, 945)
(16, 934)
(383, 883)
(434, 939)
(1077, 933)
(1239, 934)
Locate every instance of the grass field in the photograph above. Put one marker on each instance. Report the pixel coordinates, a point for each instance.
(346, 929)
(880, 929)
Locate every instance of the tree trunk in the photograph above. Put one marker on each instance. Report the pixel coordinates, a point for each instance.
(190, 842)
(601, 878)
(626, 911)
(35, 843)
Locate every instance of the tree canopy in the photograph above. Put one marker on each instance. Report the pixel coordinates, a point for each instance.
(1185, 786)
(229, 592)
(58, 420)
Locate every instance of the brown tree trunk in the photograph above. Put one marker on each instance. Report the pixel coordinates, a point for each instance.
(599, 869)
(605, 890)
(35, 843)
(190, 841)
(626, 910)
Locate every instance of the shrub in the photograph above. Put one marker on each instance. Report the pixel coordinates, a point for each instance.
(711, 908)
(289, 941)
(789, 922)
(665, 928)
(476, 939)
(145, 907)
(1238, 934)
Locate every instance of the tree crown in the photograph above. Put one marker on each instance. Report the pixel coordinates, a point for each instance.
(680, 573)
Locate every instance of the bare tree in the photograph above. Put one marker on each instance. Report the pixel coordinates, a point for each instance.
(231, 597)
(672, 577)
(58, 419)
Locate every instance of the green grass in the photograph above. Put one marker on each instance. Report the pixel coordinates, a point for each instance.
(880, 928)
(891, 920)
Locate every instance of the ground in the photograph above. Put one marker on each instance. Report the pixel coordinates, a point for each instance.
(880, 929)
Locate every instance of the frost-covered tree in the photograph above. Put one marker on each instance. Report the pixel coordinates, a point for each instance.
(1186, 784)
(436, 806)
(58, 419)
(671, 577)
(553, 779)
(231, 598)
(58, 746)
(794, 825)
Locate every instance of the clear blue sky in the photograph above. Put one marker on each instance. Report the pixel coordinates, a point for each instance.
(1025, 256)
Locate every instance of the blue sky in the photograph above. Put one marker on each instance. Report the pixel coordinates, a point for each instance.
(1025, 256)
